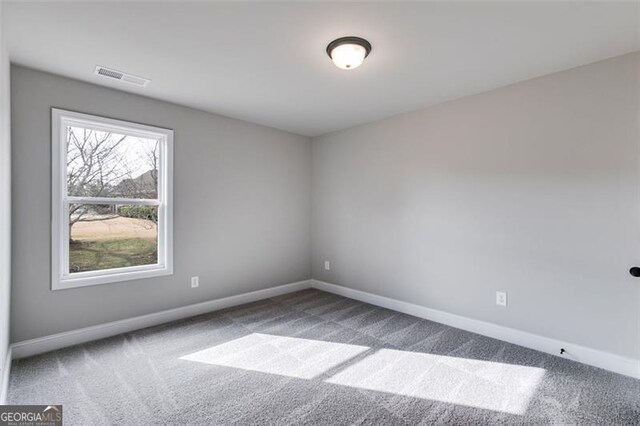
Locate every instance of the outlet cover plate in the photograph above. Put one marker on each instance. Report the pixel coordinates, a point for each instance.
(501, 298)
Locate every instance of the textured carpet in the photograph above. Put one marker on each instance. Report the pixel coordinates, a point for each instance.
(316, 358)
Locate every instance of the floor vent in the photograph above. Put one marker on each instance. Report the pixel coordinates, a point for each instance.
(122, 76)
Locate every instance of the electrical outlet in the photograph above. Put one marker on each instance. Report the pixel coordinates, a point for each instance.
(501, 298)
(195, 282)
(327, 265)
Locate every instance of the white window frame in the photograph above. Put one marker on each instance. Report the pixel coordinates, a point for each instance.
(61, 278)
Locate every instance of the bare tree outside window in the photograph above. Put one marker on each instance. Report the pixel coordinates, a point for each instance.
(110, 165)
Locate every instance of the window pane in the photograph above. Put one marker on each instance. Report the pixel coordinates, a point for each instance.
(107, 164)
(112, 236)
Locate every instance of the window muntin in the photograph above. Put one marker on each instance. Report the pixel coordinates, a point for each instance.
(112, 207)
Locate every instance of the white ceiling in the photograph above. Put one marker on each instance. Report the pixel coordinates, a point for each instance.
(266, 62)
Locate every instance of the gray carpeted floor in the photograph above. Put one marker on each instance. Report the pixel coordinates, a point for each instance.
(316, 358)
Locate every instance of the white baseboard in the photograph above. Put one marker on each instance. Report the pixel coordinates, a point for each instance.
(608, 361)
(74, 337)
(4, 380)
(589, 356)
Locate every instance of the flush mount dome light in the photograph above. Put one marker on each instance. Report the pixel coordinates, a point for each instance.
(348, 53)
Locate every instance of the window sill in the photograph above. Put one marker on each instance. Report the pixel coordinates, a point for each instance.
(106, 277)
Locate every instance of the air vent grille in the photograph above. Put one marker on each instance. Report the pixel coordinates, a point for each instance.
(122, 76)
(109, 73)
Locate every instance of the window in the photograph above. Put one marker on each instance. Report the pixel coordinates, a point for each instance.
(111, 200)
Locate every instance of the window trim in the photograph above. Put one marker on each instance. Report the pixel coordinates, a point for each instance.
(60, 277)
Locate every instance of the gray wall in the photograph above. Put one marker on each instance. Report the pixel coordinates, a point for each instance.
(241, 208)
(531, 189)
(5, 200)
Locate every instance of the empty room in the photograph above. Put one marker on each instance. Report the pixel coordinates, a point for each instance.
(319, 213)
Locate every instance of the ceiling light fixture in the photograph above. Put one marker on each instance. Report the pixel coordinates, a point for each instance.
(348, 53)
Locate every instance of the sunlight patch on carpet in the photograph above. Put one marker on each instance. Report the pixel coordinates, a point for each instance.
(469, 382)
(285, 356)
(473, 383)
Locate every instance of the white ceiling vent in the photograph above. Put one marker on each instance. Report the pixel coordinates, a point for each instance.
(122, 76)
